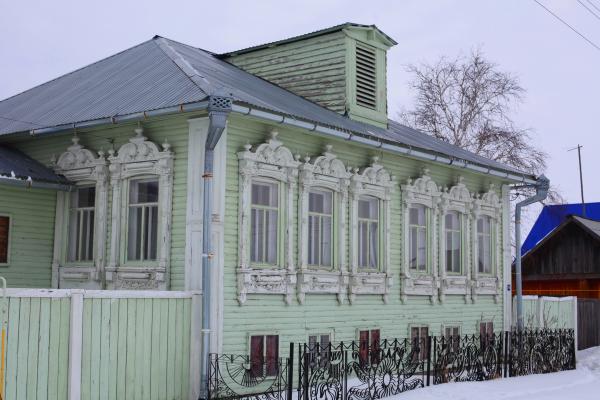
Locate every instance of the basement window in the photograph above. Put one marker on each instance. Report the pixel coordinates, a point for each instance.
(366, 76)
(4, 238)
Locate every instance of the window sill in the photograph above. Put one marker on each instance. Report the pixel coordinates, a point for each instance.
(419, 284)
(486, 285)
(366, 282)
(265, 281)
(312, 280)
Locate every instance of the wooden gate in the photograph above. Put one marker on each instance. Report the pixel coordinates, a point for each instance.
(588, 317)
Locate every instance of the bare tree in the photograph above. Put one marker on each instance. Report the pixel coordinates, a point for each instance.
(468, 102)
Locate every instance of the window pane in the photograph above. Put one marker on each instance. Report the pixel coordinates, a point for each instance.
(272, 354)
(374, 245)
(256, 355)
(417, 215)
(368, 208)
(86, 197)
(314, 230)
(134, 233)
(363, 245)
(413, 241)
(143, 191)
(320, 201)
(256, 219)
(422, 249)
(271, 244)
(4, 235)
(265, 194)
(326, 241)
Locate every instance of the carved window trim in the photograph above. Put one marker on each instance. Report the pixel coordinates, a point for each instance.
(374, 181)
(84, 168)
(425, 192)
(270, 160)
(140, 158)
(324, 172)
(487, 204)
(459, 199)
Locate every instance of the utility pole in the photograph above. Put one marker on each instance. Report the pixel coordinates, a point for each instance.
(580, 178)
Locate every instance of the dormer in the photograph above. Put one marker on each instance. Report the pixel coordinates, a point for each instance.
(342, 68)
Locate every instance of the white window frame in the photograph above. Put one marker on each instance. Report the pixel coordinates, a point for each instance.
(84, 168)
(458, 199)
(137, 159)
(324, 172)
(272, 161)
(129, 206)
(488, 204)
(279, 247)
(70, 208)
(8, 244)
(374, 181)
(425, 192)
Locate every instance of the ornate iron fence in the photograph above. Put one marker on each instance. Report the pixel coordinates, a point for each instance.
(370, 371)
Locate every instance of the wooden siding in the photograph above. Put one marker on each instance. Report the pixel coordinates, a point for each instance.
(588, 319)
(135, 349)
(34, 210)
(313, 68)
(37, 348)
(322, 313)
(31, 235)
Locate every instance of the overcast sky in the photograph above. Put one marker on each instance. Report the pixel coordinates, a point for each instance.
(41, 40)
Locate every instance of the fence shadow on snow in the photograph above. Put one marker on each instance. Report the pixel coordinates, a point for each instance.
(368, 371)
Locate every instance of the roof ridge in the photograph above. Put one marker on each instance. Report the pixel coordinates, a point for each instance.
(189, 71)
(77, 70)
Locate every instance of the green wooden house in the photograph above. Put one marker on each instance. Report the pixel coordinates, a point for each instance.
(327, 220)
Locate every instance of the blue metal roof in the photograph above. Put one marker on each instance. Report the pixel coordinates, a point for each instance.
(15, 165)
(552, 216)
(162, 73)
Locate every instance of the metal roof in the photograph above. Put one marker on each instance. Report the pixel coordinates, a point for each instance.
(16, 166)
(162, 73)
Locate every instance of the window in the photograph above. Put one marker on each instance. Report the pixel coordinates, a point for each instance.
(368, 233)
(81, 225)
(368, 346)
(142, 227)
(264, 222)
(417, 238)
(484, 245)
(319, 348)
(4, 238)
(453, 242)
(264, 355)
(419, 337)
(452, 337)
(320, 228)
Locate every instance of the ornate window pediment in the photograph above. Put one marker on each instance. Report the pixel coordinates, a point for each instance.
(487, 205)
(421, 194)
(457, 200)
(372, 182)
(273, 164)
(323, 174)
(140, 172)
(83, 167)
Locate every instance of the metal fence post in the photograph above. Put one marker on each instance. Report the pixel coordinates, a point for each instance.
(290, 377)
(305, 357)
(428, 358)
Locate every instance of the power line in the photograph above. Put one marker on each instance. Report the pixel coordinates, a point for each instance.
(593, 5)
(589, 10)
(569, 26)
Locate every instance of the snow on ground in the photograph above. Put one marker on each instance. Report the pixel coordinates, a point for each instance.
(580, 384)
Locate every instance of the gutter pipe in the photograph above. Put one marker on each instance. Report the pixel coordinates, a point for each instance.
(541, 192)
(219, 108)
(30, 183)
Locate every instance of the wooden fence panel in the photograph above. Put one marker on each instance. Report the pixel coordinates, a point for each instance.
(135, 348)
(588, 317)
(37, 348)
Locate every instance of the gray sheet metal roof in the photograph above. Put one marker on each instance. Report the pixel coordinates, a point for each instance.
(592, 225)
(18, 166)
(162, 73)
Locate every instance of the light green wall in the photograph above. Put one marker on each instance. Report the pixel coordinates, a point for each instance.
(31, 235)
(322, 313)
(35, 219)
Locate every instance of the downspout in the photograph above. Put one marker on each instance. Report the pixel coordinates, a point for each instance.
(219, 108)
(541, 192)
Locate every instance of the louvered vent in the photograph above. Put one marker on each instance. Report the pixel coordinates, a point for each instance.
(366, 76)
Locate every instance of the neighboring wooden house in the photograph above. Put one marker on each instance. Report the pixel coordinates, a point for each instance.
(330, 221)
(566, 262)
